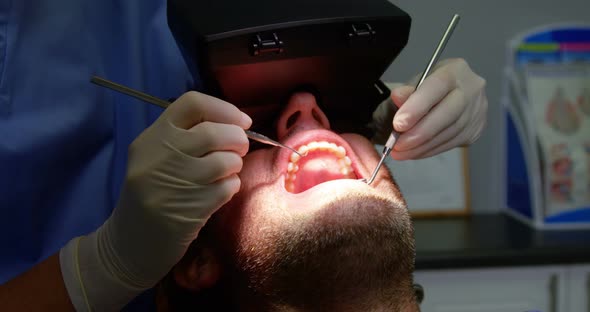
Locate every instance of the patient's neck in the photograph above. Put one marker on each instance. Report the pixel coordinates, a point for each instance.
(231, 299)
(398, 302)
(410, 306)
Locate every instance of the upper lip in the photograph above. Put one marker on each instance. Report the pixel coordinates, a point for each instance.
(305, 137)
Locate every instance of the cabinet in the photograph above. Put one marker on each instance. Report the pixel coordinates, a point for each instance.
(578, 288)
(513, 289)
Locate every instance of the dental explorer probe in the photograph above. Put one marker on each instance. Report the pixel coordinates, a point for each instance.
(164, 104)
(394, 134)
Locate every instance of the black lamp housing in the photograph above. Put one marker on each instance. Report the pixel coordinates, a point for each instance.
(255, 54)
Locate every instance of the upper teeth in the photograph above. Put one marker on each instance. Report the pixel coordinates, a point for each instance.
(338, 151)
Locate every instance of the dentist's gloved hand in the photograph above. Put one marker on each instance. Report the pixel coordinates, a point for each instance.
(448, 110)
(180, 171)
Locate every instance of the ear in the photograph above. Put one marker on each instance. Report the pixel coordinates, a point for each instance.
(200, 272)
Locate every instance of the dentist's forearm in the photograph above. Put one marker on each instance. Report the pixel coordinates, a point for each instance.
(39, 289)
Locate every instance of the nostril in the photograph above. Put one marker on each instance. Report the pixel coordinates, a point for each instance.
(292, 119)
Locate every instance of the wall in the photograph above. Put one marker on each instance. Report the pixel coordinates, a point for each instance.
(480, 38)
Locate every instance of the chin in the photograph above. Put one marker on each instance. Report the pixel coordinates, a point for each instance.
(352, 247)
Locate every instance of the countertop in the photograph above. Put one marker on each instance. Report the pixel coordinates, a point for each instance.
(494, 240)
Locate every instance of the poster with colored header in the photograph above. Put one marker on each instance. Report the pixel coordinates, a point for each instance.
(559, 96)
(546, 94)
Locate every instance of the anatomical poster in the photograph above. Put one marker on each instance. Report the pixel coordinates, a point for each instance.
(559, 98)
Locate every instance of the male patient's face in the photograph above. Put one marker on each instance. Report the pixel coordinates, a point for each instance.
(304, 229)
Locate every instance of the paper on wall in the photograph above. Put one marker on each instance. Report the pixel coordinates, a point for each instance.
(434, 184)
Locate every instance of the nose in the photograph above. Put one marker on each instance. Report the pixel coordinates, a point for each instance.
(301, 113)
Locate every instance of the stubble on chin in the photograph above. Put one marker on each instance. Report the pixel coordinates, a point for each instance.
(357, 249)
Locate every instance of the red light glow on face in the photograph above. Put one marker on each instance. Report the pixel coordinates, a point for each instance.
(279, 185)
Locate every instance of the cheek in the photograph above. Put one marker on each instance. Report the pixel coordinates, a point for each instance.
(248, 214)
(361, 145)
(258, 168)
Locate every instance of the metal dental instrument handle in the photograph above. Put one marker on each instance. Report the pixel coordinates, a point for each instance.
(394, 134)
(266, 140)
(164, 104)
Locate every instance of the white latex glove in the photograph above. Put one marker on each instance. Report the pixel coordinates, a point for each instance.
(448, 110)
(180, 171)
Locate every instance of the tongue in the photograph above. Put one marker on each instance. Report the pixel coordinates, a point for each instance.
(317, 168)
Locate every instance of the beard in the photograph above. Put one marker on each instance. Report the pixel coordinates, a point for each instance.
(356, 253)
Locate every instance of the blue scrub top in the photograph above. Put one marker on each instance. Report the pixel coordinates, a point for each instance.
(63, 140)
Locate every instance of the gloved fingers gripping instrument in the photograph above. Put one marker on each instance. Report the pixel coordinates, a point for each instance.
(394, 134)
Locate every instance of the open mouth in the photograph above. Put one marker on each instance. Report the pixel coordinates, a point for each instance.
(323, 161)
